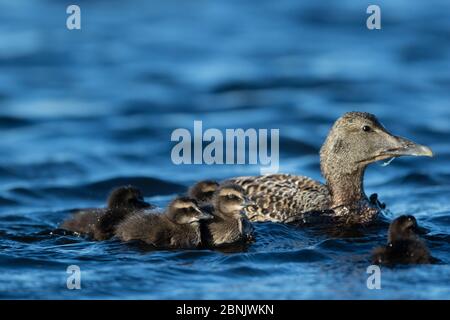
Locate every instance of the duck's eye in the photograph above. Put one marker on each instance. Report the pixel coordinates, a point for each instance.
(366, 128)
(184, 210)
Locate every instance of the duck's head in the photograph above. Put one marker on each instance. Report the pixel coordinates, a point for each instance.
(230, 200)
(358, 139)
(127, 197)
(404, 228)
(185, 210)
(203, 191)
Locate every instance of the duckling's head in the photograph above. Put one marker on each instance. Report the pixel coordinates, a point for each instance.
(127, 197)
(230, 200)
(358, 139)
(203, 191)
(185, 210)
(403, 228)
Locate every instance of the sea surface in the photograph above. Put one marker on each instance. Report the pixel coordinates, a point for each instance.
(84, 111)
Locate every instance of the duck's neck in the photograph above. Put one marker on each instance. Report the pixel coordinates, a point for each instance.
(346, 188)
(224, 218)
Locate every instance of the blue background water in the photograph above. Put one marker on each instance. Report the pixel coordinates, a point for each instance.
(84, 111)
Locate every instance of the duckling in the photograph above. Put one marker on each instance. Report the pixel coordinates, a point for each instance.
(99, 224)
(177, 228)
(404, 245)
(230, 224)
(203, 191)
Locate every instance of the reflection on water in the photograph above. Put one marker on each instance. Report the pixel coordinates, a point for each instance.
(84, 111)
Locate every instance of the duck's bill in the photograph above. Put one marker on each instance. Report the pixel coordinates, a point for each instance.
(404, 147)
(205, 216)
(421, 230)
(139, 203)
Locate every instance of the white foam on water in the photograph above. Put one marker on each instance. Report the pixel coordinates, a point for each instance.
(386, 163)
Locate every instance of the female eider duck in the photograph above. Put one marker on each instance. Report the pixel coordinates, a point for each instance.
(404, 245)
(177, 228)
(230, 224)
(356, 140)
(100, 224)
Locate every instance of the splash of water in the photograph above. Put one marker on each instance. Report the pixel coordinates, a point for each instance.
(386, 163)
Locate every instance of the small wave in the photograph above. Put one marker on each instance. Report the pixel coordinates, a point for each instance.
(100, 189)
(42, 170)
(192, 254)
(414, 178)
(296, 147)
(133, 134)
(9, 122)
(302, 255)
(150, 186)
(441, 219)
(24, 192)
(420, 52)
(420, 179)
(340, 245)
(280, 83)
(7, 202)
(6, 174)
(246, 271)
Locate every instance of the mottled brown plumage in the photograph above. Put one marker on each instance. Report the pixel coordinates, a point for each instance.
(355, 140)
(99, 224)
(404, 246)
(176, 228)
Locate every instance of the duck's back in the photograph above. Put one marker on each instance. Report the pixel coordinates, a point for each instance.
(109, 221)
(156, 230)
(279, 197)
(84, 221)
(148, 227)
(402, 252)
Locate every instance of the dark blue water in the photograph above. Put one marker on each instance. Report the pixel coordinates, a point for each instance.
(84, 111)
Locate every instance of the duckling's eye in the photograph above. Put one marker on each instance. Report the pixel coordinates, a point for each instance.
(231, 197)
(184, 210)
(367, 128)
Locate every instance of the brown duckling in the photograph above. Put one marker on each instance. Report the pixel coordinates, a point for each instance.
(177, 228)
(230, 224)
(404, 245)
(100, 224)
(203, 191)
